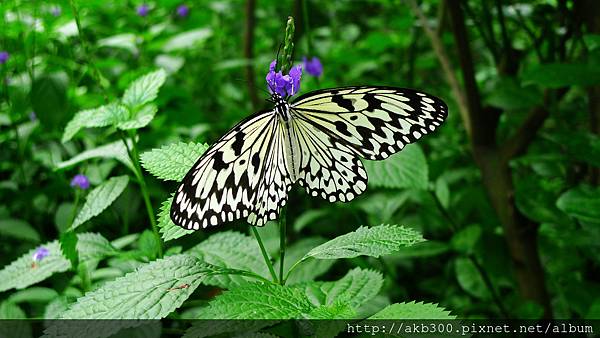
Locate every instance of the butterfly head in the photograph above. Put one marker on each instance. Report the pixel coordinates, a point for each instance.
(281, 106)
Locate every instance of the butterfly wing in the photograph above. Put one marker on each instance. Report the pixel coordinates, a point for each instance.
(243, 174)
(333, 126)
(325, 166)
(374, 122)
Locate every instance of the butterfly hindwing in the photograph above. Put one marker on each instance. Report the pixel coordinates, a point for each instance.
(232, 178)
(374, 122)
(326, 167)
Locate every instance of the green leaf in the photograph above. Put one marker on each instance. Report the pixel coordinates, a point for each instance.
(49, 98)
(144, 90)
(139, 119)
(356, 288)
(382, 206)
(68, 245)
(18, 229)
(9, 310)
(34, 294)
(308, 217)
(14, 328)
(151, 292)
(101, 198)
(309, 270)
(168, 229)
(116, 150)
(582, 202)
(173, 161)
(149, 244)
(466, 239)
(91, 246)
(469, 278)
(258, 301)
(508, 94)
(232, 250)
(187, 39)
(124, 41)
(98, 117)
(22, 272)
(338, 310)
(376, 241)
(407, 169)
(413, 310)
(556, 75)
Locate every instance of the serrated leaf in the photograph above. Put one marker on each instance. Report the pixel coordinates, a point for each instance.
(173, 161)
(168, 229)
(338, 310)
(413, 310)
(144, 89)
(582, 202)
(139, 119)
(101, 198)
(309, 270)
(116, 150)
(151, 292)
(232, 250)
(356, 288)
(376, 241)
(98, 117)
(18, 229)
(407, 169)
(68, 246)
(22, 272)
(258, 301)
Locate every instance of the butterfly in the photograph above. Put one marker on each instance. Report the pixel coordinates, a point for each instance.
(316, 141)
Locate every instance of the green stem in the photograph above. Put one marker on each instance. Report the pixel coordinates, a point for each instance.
(75, 204)
(264, 253)
(134, 156)
(287, 275)
(282, 237)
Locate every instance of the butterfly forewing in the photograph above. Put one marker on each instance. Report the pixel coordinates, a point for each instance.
(374, 122)
(242, 175)
(249, 171)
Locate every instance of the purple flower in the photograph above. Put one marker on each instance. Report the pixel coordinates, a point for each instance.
(284, 85)
(183, 11)
(32, 116)
(143, 10)
(55, 11)
(40, 253)
(80, 181)
(4, 56)
(313, 66)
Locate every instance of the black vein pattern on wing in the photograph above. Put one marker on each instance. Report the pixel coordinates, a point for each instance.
(375, 122)
(327, 168)
(228, 179)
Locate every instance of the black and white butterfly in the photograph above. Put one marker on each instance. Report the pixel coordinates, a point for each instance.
(315, 141)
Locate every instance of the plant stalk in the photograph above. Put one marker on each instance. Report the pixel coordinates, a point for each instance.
(282, 238)
(264, 253)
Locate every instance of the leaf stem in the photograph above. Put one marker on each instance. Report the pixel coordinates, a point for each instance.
(264, 253)
(282, 238)
(135, 158)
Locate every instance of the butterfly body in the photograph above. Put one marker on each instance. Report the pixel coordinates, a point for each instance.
(315, 141)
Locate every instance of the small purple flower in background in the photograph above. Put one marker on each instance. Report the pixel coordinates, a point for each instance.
(4, 56)
(40, 253)
(284, 85)
(183, 11)
(32, 116)
(313, 66)
(55, 11)
(143, 10)
(80, 181)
